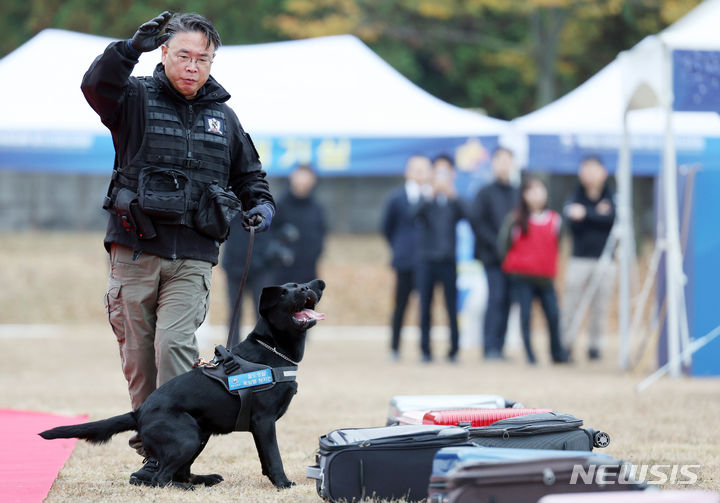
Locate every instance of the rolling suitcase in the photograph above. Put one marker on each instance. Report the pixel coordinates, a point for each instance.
(528, 480)
(548, 430)
(390, 462)
(401, 404)
(649, 496)
(448, 459)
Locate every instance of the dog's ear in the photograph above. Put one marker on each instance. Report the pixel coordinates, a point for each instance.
(269, 297)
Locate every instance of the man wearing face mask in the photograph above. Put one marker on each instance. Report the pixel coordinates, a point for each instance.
(183, 167)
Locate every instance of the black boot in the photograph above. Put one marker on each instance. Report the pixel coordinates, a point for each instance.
(145, 474)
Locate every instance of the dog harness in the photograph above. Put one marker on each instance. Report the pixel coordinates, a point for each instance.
(243, 378)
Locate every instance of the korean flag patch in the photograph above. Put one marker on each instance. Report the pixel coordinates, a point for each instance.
(214, 125)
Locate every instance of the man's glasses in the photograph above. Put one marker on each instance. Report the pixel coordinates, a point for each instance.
(201, 62)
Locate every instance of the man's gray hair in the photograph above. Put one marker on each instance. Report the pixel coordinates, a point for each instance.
(184, 23)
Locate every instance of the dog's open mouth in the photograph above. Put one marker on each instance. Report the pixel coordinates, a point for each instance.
(308, 312)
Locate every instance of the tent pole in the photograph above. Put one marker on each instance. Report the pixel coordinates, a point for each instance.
(673, 259)
(624, 181)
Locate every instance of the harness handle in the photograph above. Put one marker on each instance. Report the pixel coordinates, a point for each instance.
(233, 334)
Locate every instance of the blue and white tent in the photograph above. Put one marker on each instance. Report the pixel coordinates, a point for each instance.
(591, 118)
(328, 100)
(651, 109)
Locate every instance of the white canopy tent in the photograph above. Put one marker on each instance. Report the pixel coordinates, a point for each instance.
(633, 94)
(328, 87)
(648, 68)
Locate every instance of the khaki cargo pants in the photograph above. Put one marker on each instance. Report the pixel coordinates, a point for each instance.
(155, 305)
(578, 277)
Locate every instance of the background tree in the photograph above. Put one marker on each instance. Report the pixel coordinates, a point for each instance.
(507, 57)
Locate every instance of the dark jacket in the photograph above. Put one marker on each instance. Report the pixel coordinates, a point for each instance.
(437, 241)
(590, 234)
(300, 225)
(113, 94)
(487, 214)
(400, 228)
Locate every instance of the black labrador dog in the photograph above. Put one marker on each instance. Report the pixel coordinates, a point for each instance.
(178, 418)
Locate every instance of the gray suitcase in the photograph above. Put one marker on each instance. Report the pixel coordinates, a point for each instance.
(547, 430)
(520, 481)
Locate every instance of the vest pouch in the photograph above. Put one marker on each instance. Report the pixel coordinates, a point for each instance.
(163, 192)
(217, 208)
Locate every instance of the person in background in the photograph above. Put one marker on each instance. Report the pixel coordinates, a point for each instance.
(399, 228)
(267, 254)
(436, 263)
(301, 225)
(528, 244)
(487, 213)
(590, 214)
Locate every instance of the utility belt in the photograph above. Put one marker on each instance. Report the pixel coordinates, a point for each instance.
(243, 378)
(165, 196)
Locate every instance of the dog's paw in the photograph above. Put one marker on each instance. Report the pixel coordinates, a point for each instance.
(208, 480)
(284, 484)
(185, 486)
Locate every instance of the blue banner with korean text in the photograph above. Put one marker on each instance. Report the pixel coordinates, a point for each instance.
(92, 153)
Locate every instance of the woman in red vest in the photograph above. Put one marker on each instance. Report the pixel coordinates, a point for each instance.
(528, 242)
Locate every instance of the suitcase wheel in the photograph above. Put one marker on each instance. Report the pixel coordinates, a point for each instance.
(601, 439)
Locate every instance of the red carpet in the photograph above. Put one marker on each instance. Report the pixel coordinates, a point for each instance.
(29, 464)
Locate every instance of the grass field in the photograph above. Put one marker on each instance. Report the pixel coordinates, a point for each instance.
(56, 282)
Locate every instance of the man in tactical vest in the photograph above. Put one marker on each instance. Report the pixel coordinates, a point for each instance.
(183, 168)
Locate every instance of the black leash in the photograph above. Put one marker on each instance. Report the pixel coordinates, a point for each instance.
(233, 334)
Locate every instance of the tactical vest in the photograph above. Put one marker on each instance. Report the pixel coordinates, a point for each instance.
(199, 155)
(243, 378)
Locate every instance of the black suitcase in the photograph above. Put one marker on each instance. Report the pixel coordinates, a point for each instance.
(389, 462)
(548, 430)
(526, 481)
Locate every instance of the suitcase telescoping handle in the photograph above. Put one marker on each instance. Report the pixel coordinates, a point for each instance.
(314, 472)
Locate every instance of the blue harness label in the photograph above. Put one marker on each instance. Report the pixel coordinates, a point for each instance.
(257, 378)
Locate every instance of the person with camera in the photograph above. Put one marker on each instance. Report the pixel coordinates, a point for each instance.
(183, 168)
(437, 217)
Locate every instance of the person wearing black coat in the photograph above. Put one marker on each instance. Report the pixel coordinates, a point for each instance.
(488, 211)
(177, 146)
(400, 228)
(268, 253)
(300, 223)
(436, 262)
(590, 214)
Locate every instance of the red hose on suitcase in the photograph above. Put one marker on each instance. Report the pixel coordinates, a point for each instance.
(475, 417)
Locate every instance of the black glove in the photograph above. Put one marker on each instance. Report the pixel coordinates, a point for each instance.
(149, 36)
(258, 217)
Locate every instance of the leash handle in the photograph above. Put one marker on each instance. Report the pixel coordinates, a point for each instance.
(233, 335)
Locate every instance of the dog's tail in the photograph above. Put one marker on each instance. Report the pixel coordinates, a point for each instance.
(95, 432)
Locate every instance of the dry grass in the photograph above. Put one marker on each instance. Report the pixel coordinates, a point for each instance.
(345, 380)
(52, 277)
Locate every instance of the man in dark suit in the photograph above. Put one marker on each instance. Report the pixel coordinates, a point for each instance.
(400, 229)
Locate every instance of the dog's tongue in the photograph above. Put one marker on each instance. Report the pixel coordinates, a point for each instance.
(309, 314)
